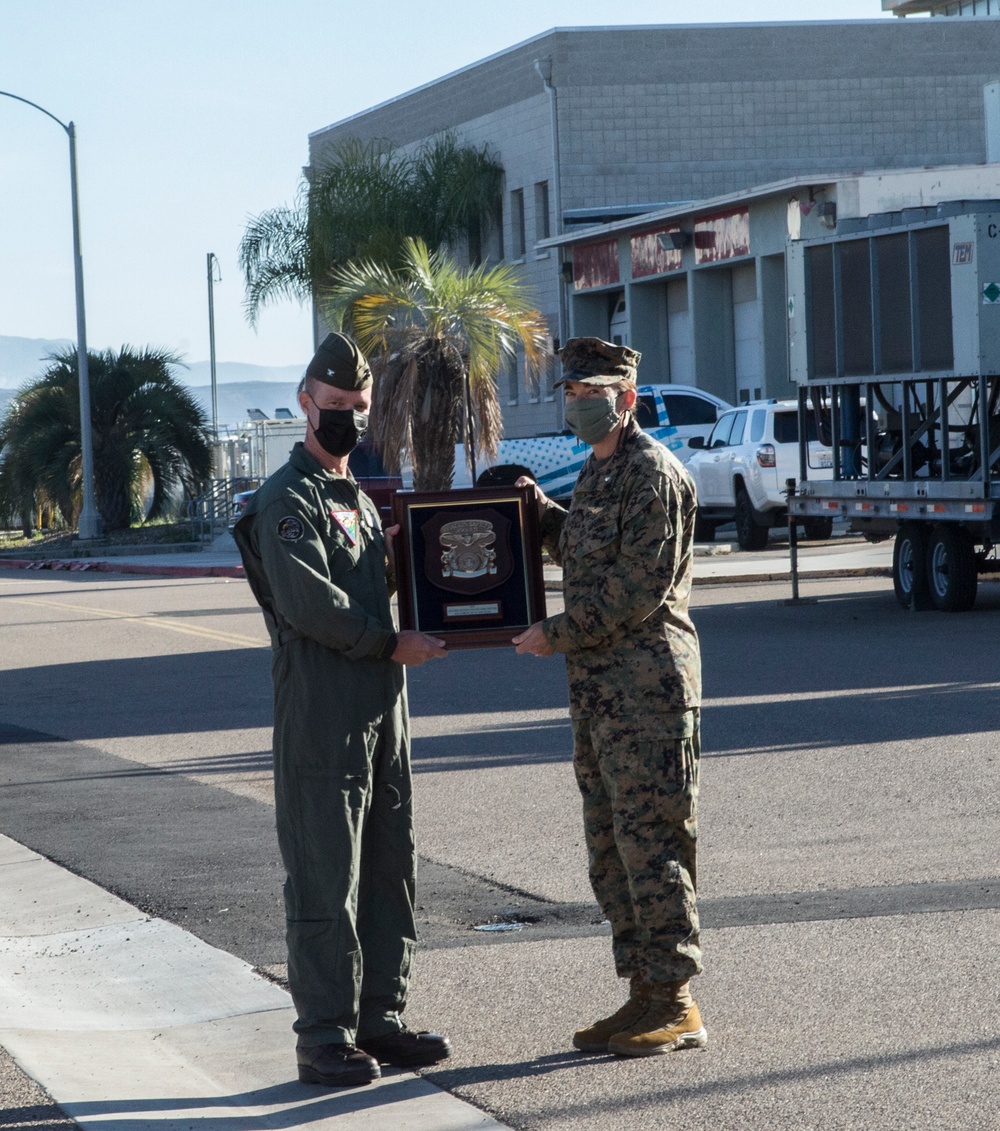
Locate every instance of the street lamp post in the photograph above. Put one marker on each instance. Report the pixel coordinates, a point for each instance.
(89, 525)
(213, 267)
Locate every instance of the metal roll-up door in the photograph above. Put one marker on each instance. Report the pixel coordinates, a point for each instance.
(746, 334)
(679, 333)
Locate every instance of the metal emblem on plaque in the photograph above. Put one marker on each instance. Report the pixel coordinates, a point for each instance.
(466, 545)
(468, 555)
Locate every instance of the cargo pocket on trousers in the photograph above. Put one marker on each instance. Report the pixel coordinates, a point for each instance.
(666, 780)
(335, 782)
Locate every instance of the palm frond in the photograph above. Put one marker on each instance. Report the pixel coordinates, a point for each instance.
(430, 326)
(274, 259)
(361, 204)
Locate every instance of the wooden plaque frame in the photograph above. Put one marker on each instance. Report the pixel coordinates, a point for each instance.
(464, 609)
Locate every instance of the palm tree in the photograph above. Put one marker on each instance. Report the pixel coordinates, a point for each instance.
(362, 203)
(437, 335)
(148, 431)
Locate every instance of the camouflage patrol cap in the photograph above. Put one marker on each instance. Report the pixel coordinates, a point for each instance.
(592, 361)
(340, 363)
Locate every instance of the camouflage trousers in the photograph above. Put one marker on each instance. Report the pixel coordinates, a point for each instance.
(639, 781)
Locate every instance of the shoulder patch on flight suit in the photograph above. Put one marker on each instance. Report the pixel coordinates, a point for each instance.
(290, 528)
(348, 522)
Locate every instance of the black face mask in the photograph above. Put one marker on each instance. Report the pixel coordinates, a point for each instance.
(340, 430)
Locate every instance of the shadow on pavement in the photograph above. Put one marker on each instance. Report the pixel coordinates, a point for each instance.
(638, 1098)
(740, 1085)
(301, 1105)
(36, 1117)
(218, 689)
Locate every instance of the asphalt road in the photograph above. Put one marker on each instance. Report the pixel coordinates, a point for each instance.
(850, 841)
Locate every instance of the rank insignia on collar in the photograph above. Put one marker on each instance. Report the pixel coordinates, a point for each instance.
(348, 522)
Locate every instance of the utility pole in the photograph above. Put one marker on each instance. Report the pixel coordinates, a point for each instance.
(89, 525)
(213, 266)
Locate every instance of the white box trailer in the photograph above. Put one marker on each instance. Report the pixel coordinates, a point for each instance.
(272, 442)
(894, 340)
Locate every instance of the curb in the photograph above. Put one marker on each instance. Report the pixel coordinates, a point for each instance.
(804, 575)
(555, 585)
(123, 551)
(82, 565)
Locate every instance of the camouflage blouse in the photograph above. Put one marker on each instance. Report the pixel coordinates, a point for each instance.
(625, 546)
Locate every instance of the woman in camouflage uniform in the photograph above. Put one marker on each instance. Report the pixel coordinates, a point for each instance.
(634, 670)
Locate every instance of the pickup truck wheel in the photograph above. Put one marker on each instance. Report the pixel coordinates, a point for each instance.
(909, 567)
(817, 529)
(704, 529)
(951, 570)
(749, 534)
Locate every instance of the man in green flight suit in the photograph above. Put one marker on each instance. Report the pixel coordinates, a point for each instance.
(316, 559)
(632, 659)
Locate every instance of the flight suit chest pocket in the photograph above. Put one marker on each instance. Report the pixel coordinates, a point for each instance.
(345, 538)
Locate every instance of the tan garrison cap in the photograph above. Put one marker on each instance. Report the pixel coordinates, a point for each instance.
(593, 361)
(340, 363)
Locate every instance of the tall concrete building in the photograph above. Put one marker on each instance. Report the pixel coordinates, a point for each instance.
(596, 126)
(942, 7)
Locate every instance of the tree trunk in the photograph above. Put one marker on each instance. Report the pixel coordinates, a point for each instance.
(438, 421)
(113, 493)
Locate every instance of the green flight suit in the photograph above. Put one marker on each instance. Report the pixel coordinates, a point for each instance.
(314, 555)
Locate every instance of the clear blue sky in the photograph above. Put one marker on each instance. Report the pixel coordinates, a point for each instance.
(192, 115)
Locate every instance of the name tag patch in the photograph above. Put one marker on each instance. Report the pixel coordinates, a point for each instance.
(290, 528)
(348, 522)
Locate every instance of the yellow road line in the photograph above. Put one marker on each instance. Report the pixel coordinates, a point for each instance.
(167, 623)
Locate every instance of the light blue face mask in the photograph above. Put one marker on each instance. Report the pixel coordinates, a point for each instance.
(591, 419)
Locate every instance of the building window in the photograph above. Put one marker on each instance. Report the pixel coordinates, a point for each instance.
(547, 375)
(498, 231)
(542, 226)
(513, 380)
(517, 223)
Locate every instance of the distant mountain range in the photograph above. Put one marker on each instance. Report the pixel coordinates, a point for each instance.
(237, 398)
(24, 358)
(239, 387)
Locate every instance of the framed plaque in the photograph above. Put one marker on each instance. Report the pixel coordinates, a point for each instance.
(469, 564)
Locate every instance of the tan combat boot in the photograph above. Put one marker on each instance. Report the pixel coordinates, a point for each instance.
(595, 1037)
(670, 1022)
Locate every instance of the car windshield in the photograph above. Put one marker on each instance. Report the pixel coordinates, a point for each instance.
(364, 463)
(720, 433)
(684, 409)
(645, 411)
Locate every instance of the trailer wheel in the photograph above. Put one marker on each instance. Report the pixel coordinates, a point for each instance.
(951, 569)
(749, 534)
(817, 529)
(909, 567)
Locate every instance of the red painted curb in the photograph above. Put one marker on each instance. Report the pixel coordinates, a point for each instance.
(170, 571)
(82, 565)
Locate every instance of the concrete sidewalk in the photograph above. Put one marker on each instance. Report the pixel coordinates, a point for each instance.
(129, 1021)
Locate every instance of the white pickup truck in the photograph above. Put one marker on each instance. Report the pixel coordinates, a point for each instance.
(672, 414)
(741, 470)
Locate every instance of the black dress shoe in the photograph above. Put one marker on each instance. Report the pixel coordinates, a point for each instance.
(336, 1066)
(406, 1049)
